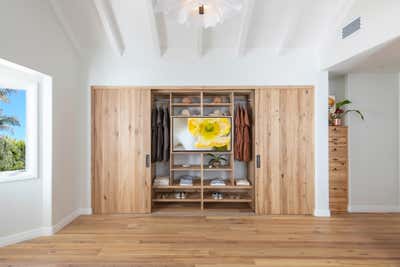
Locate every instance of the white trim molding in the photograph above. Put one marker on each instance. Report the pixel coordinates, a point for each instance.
(43, 231)
(373, 208)
(322, 213)
(23, 236)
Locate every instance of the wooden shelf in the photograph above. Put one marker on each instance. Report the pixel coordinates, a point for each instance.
(196, 185)
(207, 116)
(191, 116)
(191, 168)
(217, 104)
(228, 200)
(176, 200)
(206, 169)
(186, 104)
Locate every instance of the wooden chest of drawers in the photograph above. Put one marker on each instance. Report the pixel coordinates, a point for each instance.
(338, 169)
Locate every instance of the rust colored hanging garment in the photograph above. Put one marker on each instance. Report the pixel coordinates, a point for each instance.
(246, 135)
(238, 136)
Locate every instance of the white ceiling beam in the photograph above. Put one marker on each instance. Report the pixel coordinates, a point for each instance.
(59, 13)
(244, 27)
(107, 17)
(294, 18)
(155, 29)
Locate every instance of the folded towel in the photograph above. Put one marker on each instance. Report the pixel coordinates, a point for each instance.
(161, 181)
(186, 182)
(242, 182)
(217, 182)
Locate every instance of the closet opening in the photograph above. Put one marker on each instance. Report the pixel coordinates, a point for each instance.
(209, 137)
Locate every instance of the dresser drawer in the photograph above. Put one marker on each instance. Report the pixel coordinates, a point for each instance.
(337, 141)
(338, 131)
(338, 164)
(337, 151)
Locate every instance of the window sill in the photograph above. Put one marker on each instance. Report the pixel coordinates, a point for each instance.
(14, 176)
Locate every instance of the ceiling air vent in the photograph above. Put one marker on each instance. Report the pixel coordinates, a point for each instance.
(351, 28)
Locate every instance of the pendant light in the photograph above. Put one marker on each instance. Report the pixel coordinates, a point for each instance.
(203, 13)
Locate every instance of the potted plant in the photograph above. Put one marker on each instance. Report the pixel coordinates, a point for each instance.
(337, 116)
(216, 160)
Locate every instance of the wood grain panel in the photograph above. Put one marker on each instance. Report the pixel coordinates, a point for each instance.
(284, 141)
(121, 141)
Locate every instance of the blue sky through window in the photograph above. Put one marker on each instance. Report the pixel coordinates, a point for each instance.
(16, 107)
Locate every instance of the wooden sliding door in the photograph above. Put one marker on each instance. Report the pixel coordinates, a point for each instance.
(120, 150)
(285, 150)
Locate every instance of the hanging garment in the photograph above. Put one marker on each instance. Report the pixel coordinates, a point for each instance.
(154, 135)
(238, 134)
(160, 135)
(246, 135)
(166, 128)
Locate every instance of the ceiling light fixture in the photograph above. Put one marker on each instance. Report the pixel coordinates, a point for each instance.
(202, 13)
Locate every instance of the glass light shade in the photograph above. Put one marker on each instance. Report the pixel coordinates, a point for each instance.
(187, 11)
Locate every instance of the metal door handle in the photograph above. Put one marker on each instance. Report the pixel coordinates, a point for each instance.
(258, 161)
(147, 161)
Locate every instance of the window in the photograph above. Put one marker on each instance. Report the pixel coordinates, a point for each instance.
(18, 126)
(12, 129)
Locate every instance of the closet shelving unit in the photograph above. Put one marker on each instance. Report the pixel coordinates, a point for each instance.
(199, 195)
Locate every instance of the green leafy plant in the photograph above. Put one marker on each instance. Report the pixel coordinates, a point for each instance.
(340, 112)
(216, 159)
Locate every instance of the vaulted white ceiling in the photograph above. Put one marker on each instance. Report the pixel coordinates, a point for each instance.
(132, 28)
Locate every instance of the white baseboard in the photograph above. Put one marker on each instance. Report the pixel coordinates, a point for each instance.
(19, 237)
(43, 231)
(374, 208)
(85, 211)
(322, 213)
(65, 221)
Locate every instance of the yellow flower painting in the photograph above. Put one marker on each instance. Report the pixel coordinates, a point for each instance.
(211, 133)
(207, 134)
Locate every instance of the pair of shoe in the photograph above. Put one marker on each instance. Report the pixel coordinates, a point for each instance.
(180, 195)
(217, 195)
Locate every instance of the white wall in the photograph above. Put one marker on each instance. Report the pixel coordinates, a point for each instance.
(337, 87)
(32, 38)
(379, 20)
(373, 143)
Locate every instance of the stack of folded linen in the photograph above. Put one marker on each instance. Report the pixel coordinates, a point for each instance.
(217, 182)
(242, 182)
(161, 181)
(186, 182)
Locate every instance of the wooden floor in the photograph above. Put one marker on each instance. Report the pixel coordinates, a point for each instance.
(348, 240)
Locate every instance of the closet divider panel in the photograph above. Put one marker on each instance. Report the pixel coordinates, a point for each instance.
(121, 142)
(267, 181)
(284, 143)
(135, 183)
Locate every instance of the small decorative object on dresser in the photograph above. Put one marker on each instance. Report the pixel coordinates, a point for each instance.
(336, 116)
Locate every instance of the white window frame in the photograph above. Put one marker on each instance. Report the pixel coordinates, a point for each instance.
(13, 79)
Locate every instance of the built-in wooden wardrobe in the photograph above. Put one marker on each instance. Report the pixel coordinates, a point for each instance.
(280, 171)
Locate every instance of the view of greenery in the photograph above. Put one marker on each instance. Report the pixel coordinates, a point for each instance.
(12, 154)
(12, 151)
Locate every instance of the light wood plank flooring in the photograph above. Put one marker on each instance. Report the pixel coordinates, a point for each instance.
(200, 241)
